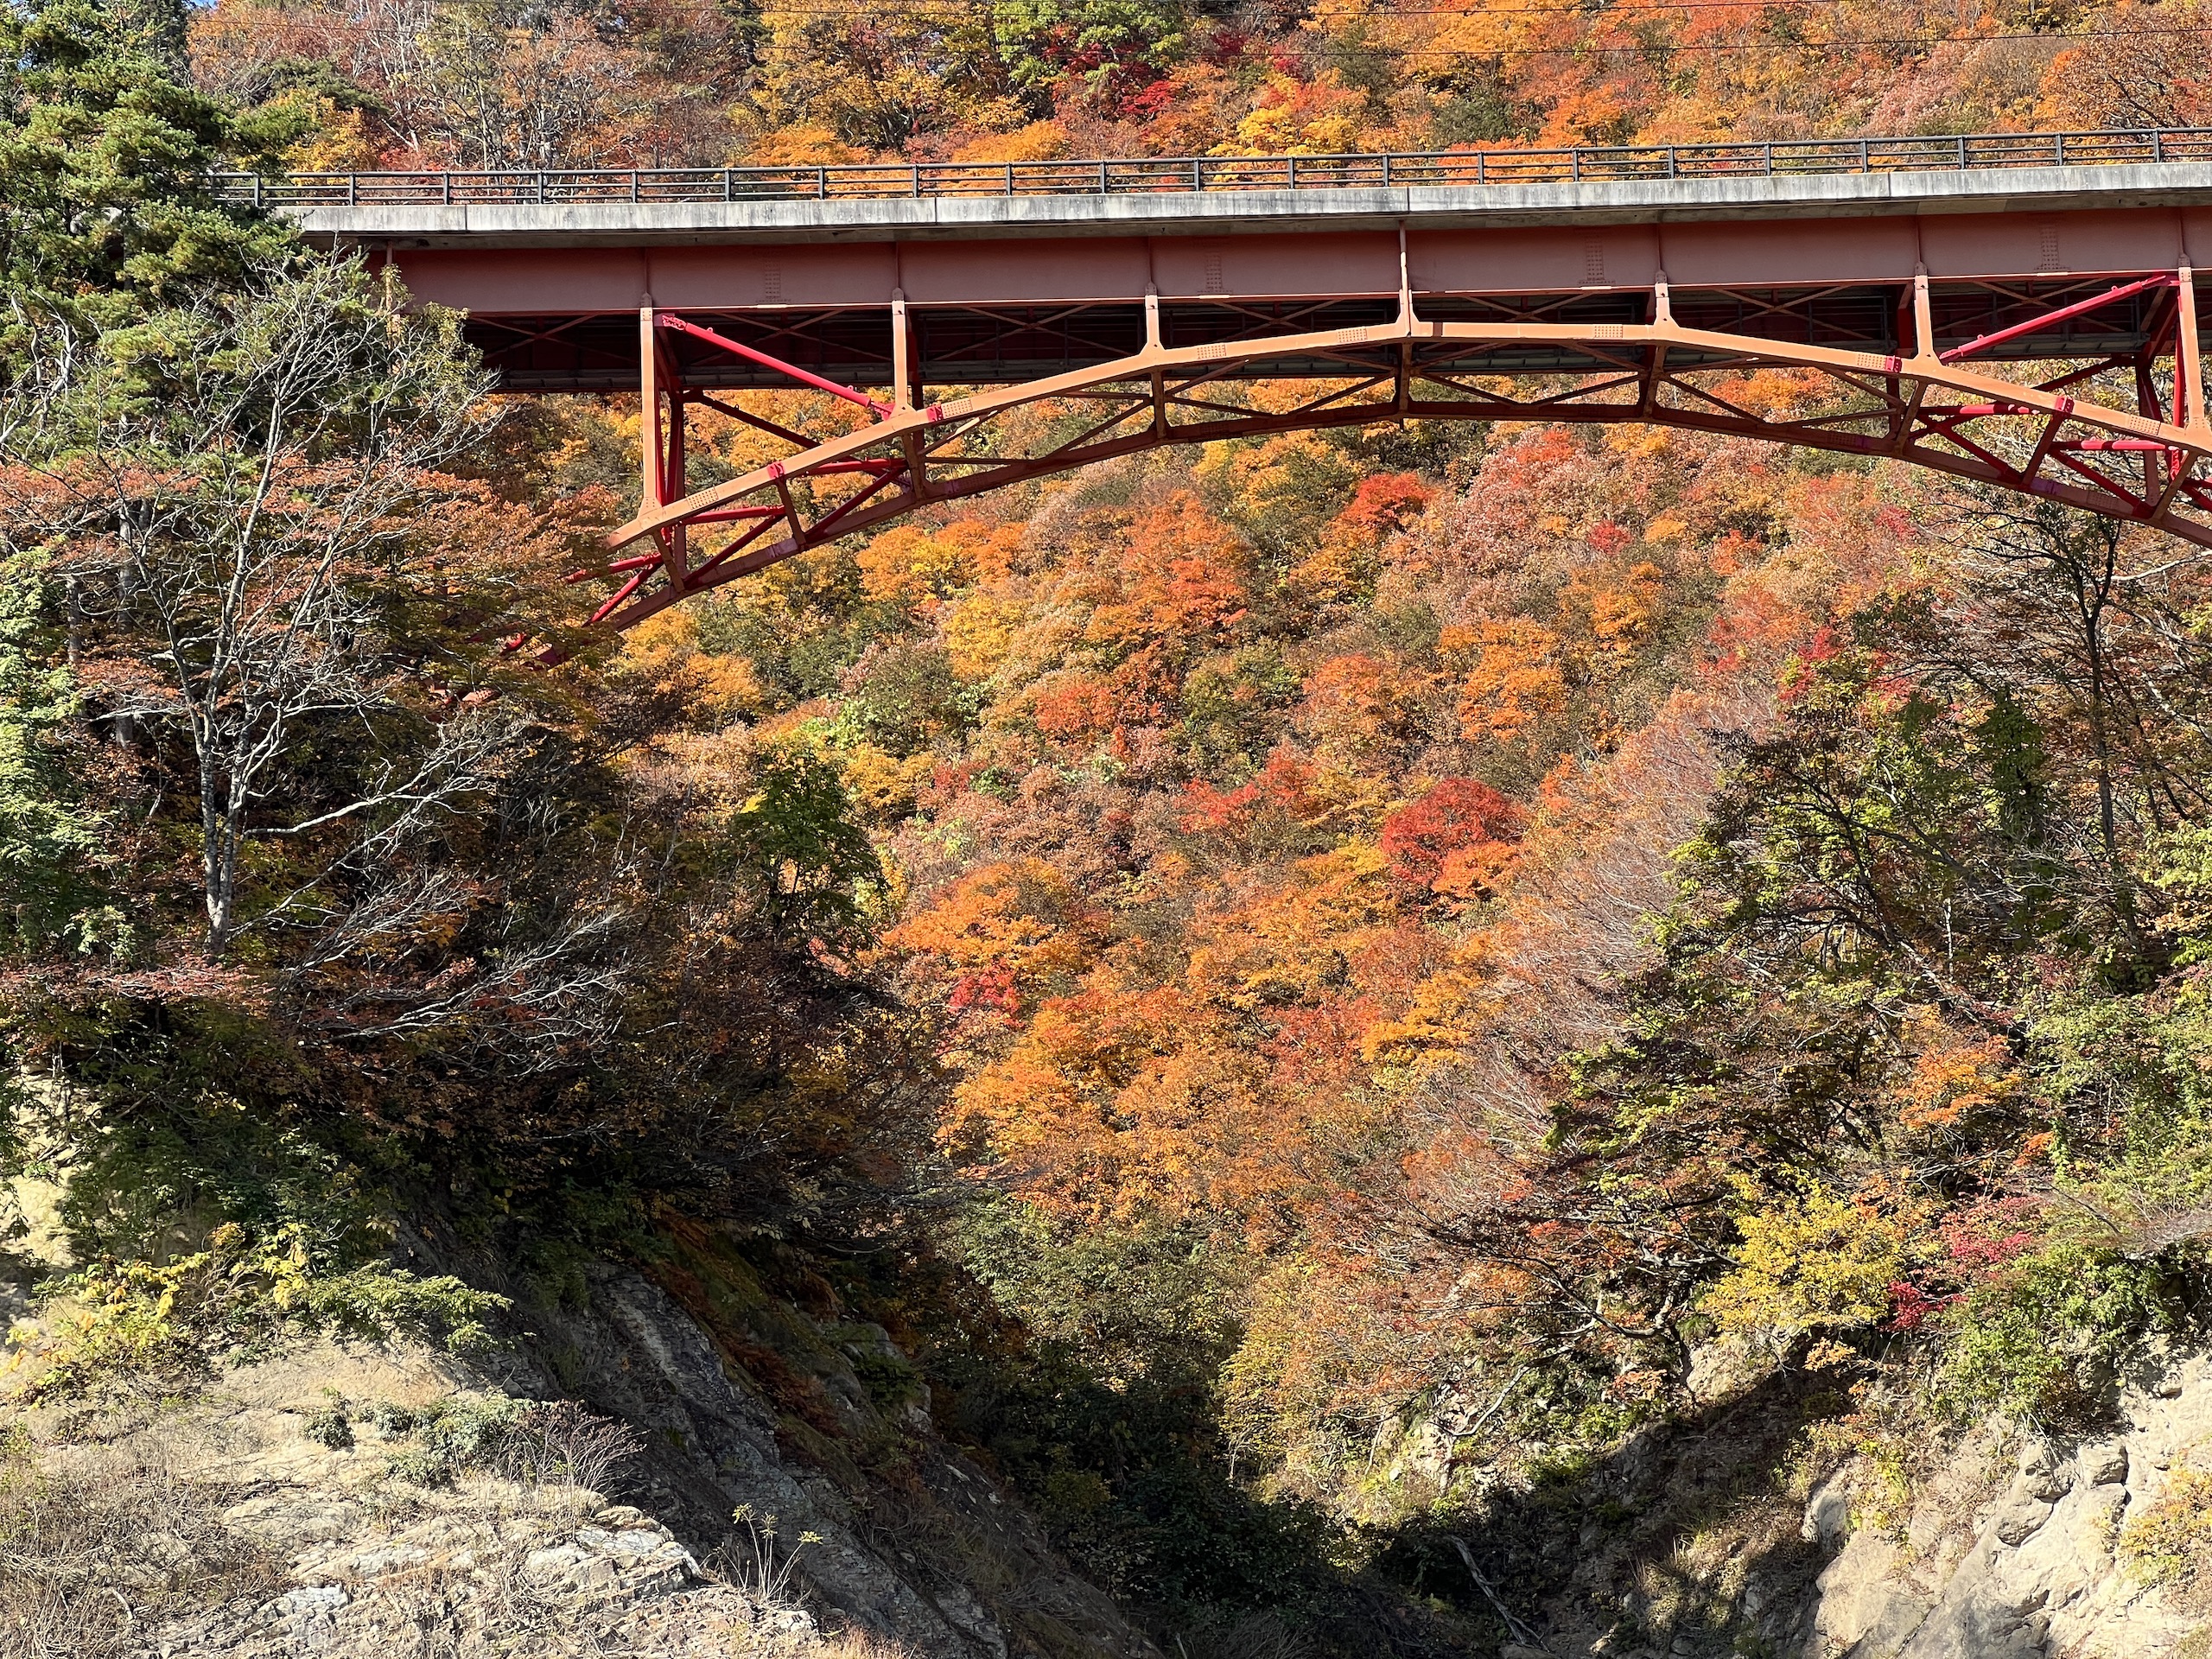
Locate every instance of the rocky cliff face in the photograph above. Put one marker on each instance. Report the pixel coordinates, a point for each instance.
(745, 1399)
(1698, 1539)
(785, 1495)
(2028, 1548)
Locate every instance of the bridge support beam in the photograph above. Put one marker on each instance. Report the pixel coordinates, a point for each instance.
(662, 471)
(2188, 356)
(2060, 439)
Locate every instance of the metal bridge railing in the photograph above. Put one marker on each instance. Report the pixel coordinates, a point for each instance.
(1181, 175)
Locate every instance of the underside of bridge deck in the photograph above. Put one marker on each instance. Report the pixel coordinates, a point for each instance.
(972, 345)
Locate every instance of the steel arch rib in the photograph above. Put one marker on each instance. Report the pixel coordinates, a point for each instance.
(1639, 357)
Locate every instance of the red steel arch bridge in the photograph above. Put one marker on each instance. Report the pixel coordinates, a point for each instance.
(2020, 309)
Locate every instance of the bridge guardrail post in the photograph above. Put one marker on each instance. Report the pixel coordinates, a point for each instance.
(1961, 151)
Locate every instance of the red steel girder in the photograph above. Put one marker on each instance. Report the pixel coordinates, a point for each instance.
(1151, 388)
(669, 319)
(2063, 314)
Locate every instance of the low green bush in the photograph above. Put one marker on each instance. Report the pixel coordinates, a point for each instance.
(459, 1433)
(137, 1326)
(2048, 1338)
(330, 1426)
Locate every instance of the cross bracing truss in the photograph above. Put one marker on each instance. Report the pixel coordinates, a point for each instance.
(2085, 391)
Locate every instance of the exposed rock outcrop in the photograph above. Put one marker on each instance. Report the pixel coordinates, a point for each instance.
(785, 1479)
(2019, 1556)
(745, 1399)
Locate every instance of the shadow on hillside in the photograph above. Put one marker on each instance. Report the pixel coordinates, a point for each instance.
(1684, 1540)
(1657, 1542)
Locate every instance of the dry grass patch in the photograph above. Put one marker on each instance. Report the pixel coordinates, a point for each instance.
(97, 1542)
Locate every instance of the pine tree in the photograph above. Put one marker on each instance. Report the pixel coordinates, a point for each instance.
(108, 155)
(46, 837)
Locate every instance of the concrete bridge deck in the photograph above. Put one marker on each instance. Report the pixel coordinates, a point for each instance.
(1002, 288)
(2038, 190)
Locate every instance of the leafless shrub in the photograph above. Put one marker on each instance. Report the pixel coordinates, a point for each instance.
(494, 1607)
(2139, 1225)
(862, 1644)
(2162, 1228)
(497, 1608)
(559, 1443)
(95, 1544)
(1257, 1636)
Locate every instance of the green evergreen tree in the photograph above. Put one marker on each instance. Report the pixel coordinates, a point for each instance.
(108, 200)
(111, 225)
(46, 837)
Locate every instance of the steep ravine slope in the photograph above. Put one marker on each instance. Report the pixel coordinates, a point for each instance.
(786, 1494)
(1997, 1542)
(747, 1399)
(743, 1398)
(1994, 1542)
(791, 1496)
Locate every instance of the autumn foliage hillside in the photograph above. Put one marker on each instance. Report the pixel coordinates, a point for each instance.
(1253, 813)
(1461, 946)
(1403, 1024)
(584, 83)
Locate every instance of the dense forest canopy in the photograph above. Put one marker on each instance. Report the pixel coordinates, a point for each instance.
(1323, 985)
(411, 83)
